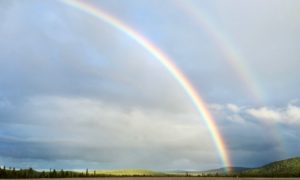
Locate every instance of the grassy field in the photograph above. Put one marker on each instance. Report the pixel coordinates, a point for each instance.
(173, 178)
(129, 172)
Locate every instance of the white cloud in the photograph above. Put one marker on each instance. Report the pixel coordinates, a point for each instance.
(265, 113)
(289, 115)
(216, 107)
(236, 118)
(233, 108)
(293, 114)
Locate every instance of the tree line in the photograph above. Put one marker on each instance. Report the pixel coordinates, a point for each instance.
(12, 173)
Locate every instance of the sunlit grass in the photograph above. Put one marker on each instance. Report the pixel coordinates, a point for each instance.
(128, 172)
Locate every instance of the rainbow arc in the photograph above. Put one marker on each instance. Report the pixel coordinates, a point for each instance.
(230, 52)
(167, 62)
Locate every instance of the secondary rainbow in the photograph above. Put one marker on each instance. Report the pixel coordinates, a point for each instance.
(230, 52)
(167, 63)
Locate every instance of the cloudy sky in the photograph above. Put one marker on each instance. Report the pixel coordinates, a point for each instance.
(77, 93)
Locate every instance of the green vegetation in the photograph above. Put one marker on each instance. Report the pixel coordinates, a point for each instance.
(52, 173)
(284, 168)
(30, 173)
(129, 172)
(214, 172)
(224, 171)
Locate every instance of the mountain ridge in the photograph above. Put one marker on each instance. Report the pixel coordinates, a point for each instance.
(283, 168)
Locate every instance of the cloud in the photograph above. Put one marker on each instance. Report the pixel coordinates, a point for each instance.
(216, 107)
(89, 130)
(233, 108)
(289, 115)
(81, 91)
(93, 60)
(4, 103)
(225, 107)
(286, 115)
(265, 113)
(74, 89)
(258, 134)
(5, 6)
(293, 114)
(236, 118)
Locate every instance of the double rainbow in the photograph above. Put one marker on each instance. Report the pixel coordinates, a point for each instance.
(233, 57)
(167, 63)
(229, 51)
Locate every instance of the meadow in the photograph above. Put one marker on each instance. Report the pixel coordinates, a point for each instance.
(176, 178)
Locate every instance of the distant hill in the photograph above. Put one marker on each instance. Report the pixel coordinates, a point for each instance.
(284, 168)
(212, 172)
(129, 172)
(223, 171)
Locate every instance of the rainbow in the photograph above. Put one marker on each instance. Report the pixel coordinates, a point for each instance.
(230, 52)
(168, 64)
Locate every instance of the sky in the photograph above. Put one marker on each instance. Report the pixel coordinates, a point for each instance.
(76, 92)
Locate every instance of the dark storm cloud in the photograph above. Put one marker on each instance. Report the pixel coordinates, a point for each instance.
(87, 130)
(64, 150)
(258, 135)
